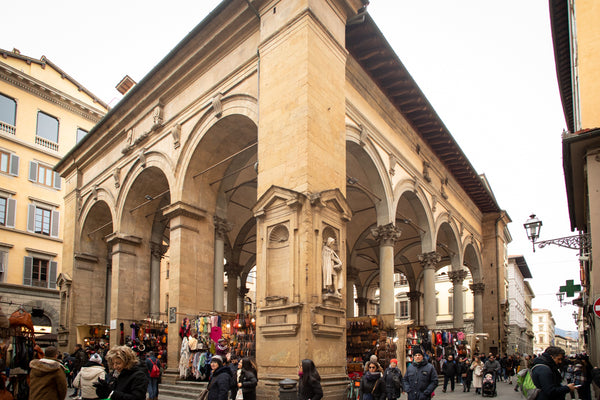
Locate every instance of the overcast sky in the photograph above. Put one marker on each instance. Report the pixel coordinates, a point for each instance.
(486, 67)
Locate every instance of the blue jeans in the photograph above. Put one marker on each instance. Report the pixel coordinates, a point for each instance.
(153, 388)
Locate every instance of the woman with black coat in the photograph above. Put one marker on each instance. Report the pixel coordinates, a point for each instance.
(247, 380)
(220, 379)
(128, 380)
(309, 387)
(372, 386)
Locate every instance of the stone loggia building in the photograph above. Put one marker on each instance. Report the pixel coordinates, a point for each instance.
(270, 128)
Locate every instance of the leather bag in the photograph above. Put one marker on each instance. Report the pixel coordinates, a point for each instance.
(21, 318)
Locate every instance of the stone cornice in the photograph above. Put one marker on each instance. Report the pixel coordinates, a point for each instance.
(48, 93)
(180, 208)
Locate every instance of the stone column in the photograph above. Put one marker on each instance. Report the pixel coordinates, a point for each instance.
(362, 306)
(156, 255)
(233, 271)
(221, 229)
(478, 289)
(415, 298)
(457, 278)
(429, 262)
(125, 296)
(242, 292)
(387, 236)
(190, 278)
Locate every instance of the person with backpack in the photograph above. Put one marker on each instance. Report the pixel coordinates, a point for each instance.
(546, 376)
(153, 368)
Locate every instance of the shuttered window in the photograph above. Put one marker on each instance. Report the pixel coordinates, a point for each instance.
(39, 272)
(43, 221)
(44, 175)
(9, 163)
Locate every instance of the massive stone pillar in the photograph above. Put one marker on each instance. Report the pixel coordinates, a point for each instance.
(477, 289)
(125, 305)
(301, 192)
(415, 298)
(387, 236)
(457, 278)
(351, 278)
(192, 267)
(221, 229)
(429, 262)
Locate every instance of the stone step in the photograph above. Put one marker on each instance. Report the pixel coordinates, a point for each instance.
(180, 390)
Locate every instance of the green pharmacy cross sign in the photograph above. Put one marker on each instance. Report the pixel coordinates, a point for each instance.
(570, 288)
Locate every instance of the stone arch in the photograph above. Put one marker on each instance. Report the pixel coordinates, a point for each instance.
(472, 259)
(417, 202)
(102, 195)
(448, 243)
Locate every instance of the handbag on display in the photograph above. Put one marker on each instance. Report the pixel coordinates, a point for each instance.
(21, 318)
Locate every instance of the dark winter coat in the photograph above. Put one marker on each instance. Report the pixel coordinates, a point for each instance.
(47, 380)
(131, 384)
(420, 381)
(393, 382)
(372, 383)
(450, 368)
(249, 382)
(220, 383)
(465, 368)
(80, 359)
(548, 378)
(311, 390)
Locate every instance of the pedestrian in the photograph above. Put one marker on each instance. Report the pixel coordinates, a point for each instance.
(153, 377)
(546, 375)
(309, 385)
(47, 377)
(492, 365)
(79, 359)
(372, 386)
(372, 358)
(477, 368)
(128, 379)
(583, 377)
(510, 368)
(219, 384)
(392, 377)
(248, 378)
(467, 374)
(420, 379)
(449, 369)
(89, 374)
(233, 362)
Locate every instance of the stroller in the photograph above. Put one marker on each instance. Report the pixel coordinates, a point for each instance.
(488, 386)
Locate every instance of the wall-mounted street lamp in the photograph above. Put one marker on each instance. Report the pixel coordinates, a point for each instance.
(560, 296)
(533, 225)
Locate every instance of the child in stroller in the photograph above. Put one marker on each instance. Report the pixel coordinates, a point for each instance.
(488, 386)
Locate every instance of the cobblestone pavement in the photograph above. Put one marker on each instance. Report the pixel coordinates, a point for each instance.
(503, 389)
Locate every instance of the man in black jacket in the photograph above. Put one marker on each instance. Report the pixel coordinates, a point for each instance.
(546, 375)
(449, 369)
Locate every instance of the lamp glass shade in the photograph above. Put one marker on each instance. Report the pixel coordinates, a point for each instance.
(533, 226)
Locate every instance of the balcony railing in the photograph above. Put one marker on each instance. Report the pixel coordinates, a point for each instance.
(4, 127)
(46, 143)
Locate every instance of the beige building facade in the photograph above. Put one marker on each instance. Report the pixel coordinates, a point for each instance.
(520, 295)
(272, 128)
(543, 330)
(43, 112)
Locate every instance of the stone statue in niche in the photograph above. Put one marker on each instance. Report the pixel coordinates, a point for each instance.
(332, 269)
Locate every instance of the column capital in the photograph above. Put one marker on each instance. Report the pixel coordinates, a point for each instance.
(233, 270)
(222, 227)
(158, 250)
(361, 301)
(414, 295)
(243, 291)
(429, 260)
(477, 288)
(457, 277)
(386, 234)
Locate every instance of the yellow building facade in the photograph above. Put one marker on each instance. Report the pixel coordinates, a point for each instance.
(43, 112)
(576, 37)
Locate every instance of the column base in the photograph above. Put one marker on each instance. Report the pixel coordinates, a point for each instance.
(335, 387)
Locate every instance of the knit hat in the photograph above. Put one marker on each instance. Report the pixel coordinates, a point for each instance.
(218, 360)
(417, 351)
(393, 360)
(96, 358)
